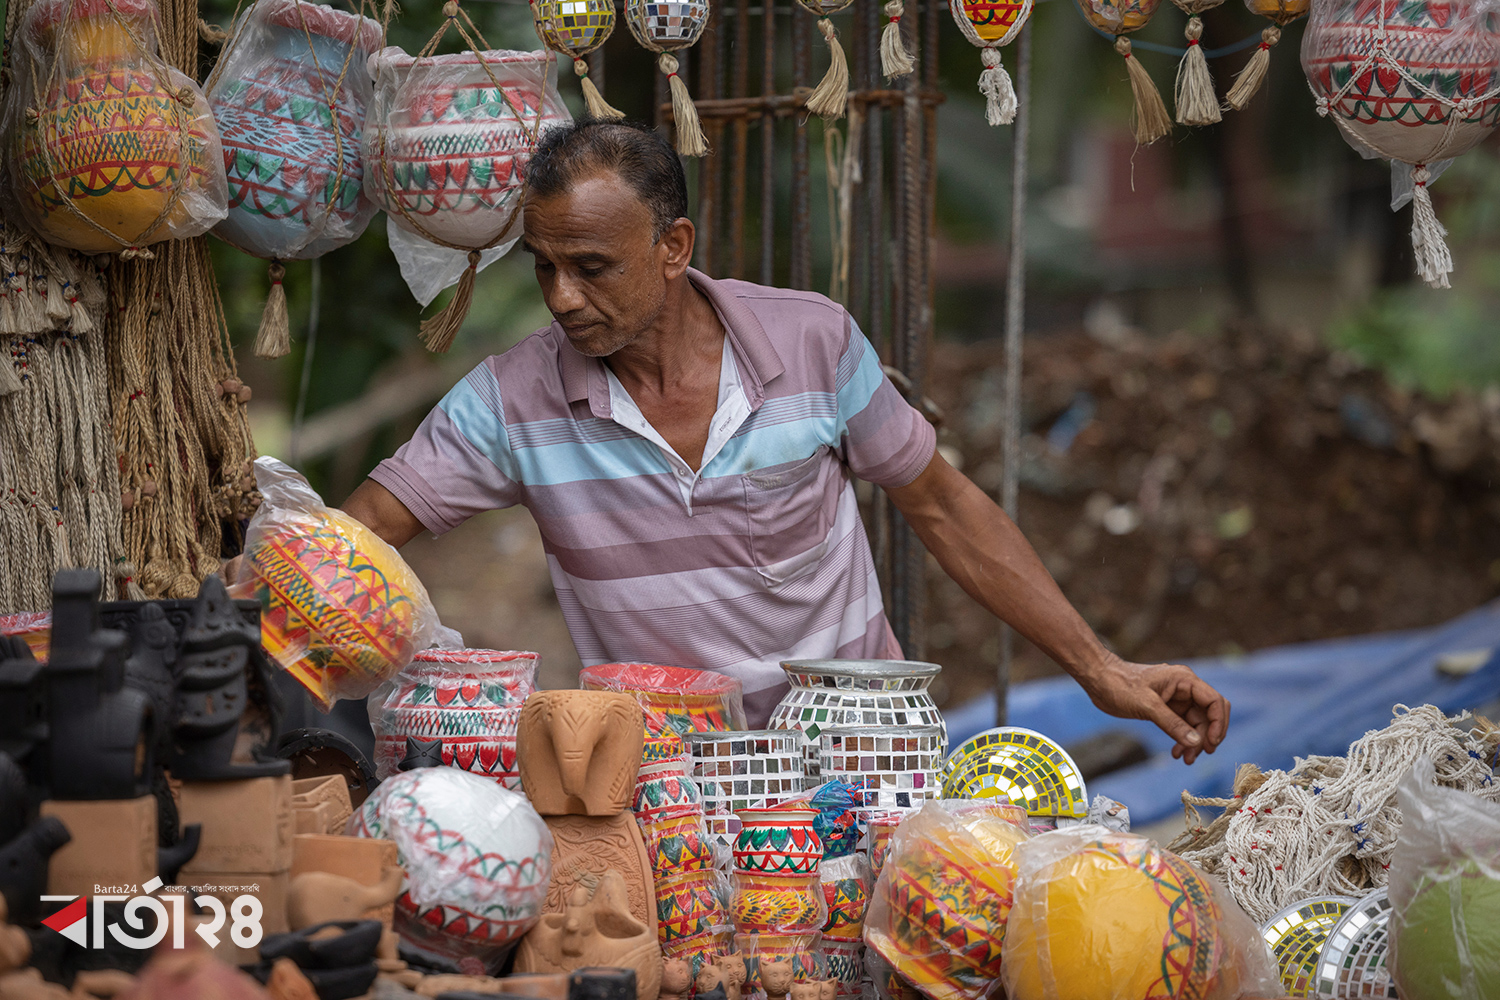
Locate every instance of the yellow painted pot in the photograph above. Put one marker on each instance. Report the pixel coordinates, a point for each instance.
(1119, 918)
(117, 149)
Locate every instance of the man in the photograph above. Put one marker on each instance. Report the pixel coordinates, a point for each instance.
(686, 445)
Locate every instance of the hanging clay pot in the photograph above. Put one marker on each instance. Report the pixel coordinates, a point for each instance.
(295, 170)
(113, 149)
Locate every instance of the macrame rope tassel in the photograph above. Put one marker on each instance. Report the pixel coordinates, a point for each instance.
(57, 305)
(894, 59)
(832, 92)
(10, 381)
(438, 332)
(592, 99)
(274, 339)
(999, 94)
(1434, 262)
(1151, 120)
(1196, 102)
(690, 141)
(1247, 84)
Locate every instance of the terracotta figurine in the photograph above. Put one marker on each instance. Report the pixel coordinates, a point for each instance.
(776, 980)
(578, 751)
(597, 931)
(320, 897)
(710, 983)
(735, 971)
(676, 979)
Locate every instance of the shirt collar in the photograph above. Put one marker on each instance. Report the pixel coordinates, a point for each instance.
(585, 378)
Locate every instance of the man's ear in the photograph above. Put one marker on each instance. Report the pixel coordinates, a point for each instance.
(676, 244)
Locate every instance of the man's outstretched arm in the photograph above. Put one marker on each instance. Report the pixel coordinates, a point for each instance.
(378, 509)
(986, 554)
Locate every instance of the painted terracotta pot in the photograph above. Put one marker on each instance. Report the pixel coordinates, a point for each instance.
(846, 895)
(1118, 17)
(1389, 73)
(116, 157)
(674, 700)
(992, 20)
(296, 174)
(772, 904)
(446, 150)
(691, 913)
(469, 698)
(778, 840)
(477, 859)
(339, 608)
(846, 965)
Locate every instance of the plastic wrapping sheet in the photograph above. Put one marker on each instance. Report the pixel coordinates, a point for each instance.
(477, 858)
(469, 698)
(445, 148)
(1100, 915)
(938, 913)
(289, 93)
(674, 700)
(1445, 892)
(32, 627)
(111, 149)
(340, 609)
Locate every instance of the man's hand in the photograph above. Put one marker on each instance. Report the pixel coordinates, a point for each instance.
(983, 550)
(1183, 705)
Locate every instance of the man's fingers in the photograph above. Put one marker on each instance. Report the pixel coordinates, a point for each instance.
(1173, 724)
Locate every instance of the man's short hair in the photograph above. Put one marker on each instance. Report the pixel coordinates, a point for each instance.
(632, 150)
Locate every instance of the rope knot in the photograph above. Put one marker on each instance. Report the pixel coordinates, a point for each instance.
(667, 63)
(1420, 175)
(138, 253)
(276, 272)
(826, 27)
(1122, 46)
(580, 67)
(450, 9)
(990, 56)
(1270, 36)
(474, 258)
(894, 9)
(186, 96)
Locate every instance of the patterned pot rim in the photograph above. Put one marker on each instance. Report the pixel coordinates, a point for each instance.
(477, 656)
(863, 668)
(801, 810)
(326, 21)
(394, 58)
(688, 682)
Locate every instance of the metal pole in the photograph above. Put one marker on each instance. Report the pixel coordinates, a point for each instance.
(1015, 324)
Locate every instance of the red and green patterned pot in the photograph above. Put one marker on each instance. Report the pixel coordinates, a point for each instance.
(468, 698)
(674, 700)
(778, 840)
(776, 904)
(846, 894)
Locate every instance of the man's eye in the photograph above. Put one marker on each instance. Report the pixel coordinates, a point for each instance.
(591, 272)
(543, 265)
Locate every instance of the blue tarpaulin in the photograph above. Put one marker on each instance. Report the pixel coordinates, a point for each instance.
(1288, 701)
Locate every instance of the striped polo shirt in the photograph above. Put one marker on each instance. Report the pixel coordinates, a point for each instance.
(757, 557)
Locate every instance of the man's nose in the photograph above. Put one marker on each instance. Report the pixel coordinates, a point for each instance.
(566, 294)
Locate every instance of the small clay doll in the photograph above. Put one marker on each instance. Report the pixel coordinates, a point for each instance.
(828, 989)
(735, 972)
(676, 979)
(776, 980)
(710, 983)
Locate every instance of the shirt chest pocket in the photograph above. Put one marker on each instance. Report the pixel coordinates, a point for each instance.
(791, 511)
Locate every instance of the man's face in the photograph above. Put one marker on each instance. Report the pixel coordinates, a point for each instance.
(602, 275)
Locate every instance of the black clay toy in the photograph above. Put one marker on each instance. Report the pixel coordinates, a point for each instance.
(212, 691)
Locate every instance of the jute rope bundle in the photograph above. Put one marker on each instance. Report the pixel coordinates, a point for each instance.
(1194, 92)
(59, 479)
(1329, 825)
(179, 417)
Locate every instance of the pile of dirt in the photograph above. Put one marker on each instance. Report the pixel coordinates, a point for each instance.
(1205, 495)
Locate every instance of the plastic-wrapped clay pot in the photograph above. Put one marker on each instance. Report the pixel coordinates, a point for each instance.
(691, 913)
(339, 608)
(469, 698)
(1431, 91)
(778, 840)
(477, 858)
(446, 150)
(296, 174)
(123, 151)
(674, 700)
